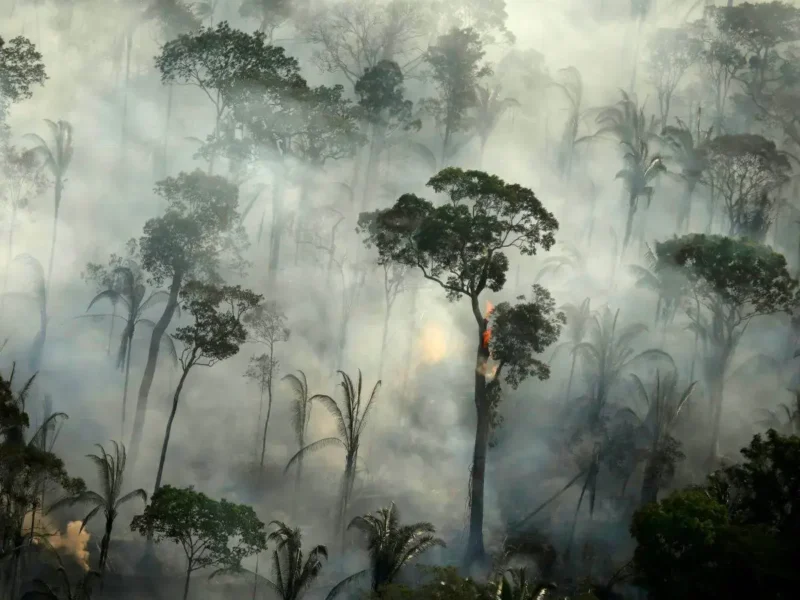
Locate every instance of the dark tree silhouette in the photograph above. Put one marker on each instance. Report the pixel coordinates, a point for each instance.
(199, 228)
(213, 534)
(732, 281)
(390, 545)
(110, 470)
(293, 576)
(351, 418)
(21, 68)
(461, 246)
(216, 334)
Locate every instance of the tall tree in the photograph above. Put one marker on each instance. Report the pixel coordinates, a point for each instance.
(213, 534)
(56, 159)
(455, 69)
(351, 419)
(21, 68)
(267, 326)
(487, 17)
(216, 334)
(461, 245)
(110, 470)
(671, 53)
(221, 61)
(746, 170)
(270, 14)
(293, 576)
(489, 109)
(199, 228)
(391, 546)
(122, 281)
(688, 150)
(301, 412)
(733, 282)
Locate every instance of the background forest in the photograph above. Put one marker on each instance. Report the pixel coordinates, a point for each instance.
(493, 299)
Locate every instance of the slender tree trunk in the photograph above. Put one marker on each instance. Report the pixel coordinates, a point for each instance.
(303, 211)
(373, 160)
(104, 545)
(150, 367)
(125, 385)
(684, 216)
(384, 338)
(260, 413)
(58, 190)
(629, 221)
(167, 433)
(186, 583)
(716, 390)
(269, 410)
(255, 579)
(277, 229)
(475, 546)
(571, 374)
(165, 143)
(124, 135)
(650, 481)
(111, 327)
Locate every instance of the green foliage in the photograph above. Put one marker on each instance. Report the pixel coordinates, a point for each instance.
(522, 331)
(455, 69)
(390, 545)
(21, 68)
(270, 14)
(213, 534)
(460, 244)
(294, 576)
(218, 330)
(381, 97)
(740, 278)
(444, 583)
(201, 220)
(735, 536)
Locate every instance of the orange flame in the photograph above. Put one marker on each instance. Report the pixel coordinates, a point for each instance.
(487, 335)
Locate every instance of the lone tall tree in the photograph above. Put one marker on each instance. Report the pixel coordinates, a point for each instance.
(184, 244)
(216, 334)
(731, 281)
(461, 246)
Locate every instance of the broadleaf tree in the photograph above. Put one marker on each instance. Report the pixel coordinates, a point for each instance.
(730, 282)
(213, 534)
(199, 229)
(216, 334)
(461, 245)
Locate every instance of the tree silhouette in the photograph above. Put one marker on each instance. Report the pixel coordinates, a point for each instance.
(270, 14)
(391, 546)
(267, 326)
(123, 282)
(671, 53)
(293, 576)
(351, 418)
(21, 68)
(56, 159)
(217, 334)
(110, 470)
(199, 229)
(301, 411)
(461, 245)
(579, 318)
(454, 61)
(489, 110)
(213, 534)
(732, 281)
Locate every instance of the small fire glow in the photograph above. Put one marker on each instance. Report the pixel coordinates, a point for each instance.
(433, 344)
(485, 368)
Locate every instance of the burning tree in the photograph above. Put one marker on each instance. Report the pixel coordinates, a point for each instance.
(461, 246)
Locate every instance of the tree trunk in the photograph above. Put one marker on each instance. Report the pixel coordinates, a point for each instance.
(266, 421)
(384, 339)
(111, 327)
(715, 388)
(186, 583)
(650, 482)
(167, 433)
(124, 134)
(475, 547)
(277, 230)
(684, 214)
(571, 374)
(260, 413)
(150, 367)
(303, 211)
(104, 545)
(629, 222)
(58, 191)
(165, 149)
(125, 385)
(373, 160)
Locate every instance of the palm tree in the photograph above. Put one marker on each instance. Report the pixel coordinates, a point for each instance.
(128, 288)
(640, 171)
(390, 545)
(606, 356)
(572, 87)
(520, 587)
(578, 321)
(669, 285)
(489, 109)
(773, 419)
(301, 412)
(653, 434)
(111, 470)
(571, 257)
(57, 159)
(351, 418)
(688, 150)
(292, 576)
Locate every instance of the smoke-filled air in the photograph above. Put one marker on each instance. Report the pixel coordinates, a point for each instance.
(399, 299)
